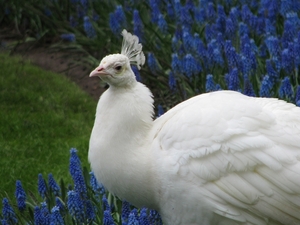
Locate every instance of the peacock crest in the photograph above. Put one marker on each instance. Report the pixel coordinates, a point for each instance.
(132, 49)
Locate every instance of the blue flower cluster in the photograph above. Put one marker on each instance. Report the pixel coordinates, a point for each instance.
(248, 46)
(85, 203)
(131, 216)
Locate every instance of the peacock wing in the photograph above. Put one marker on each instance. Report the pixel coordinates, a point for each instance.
(239, 155)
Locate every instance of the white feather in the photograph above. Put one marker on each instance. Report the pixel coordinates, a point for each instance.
(217, 158)
(132, 49)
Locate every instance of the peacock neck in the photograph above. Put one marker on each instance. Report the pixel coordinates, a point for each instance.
(122, 126)
(131, 111)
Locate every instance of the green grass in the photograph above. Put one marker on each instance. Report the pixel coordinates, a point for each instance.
(42, 116)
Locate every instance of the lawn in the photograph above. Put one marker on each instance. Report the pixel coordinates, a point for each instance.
(42, 116)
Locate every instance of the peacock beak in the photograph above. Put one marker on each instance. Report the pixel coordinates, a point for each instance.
(98, 71)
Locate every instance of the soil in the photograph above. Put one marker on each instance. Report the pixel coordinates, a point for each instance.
(63, 63)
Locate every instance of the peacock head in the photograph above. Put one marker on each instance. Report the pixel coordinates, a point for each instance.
(115, 69)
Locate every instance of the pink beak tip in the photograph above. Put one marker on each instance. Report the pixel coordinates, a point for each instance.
(96, 71)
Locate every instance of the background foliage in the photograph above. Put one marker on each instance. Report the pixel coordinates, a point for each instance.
(191, 46)
(249, 46)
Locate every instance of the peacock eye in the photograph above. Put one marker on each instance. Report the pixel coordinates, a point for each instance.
(118, 68)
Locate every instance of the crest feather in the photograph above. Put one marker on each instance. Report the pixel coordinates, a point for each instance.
(132, 49)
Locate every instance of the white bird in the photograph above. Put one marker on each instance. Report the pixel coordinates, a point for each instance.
(217, 158)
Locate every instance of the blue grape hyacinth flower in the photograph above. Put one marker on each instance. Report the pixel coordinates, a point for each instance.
(132, 219)
(273, 46)
(271, 72)
(177, 9)
(107, 218)
(232, 79)
(90, 211)
(221, 19)
(160, 110)
(105, 203)
(4, 222)
(248, 88)
(37, 215)
(60, 204)
(270, 27)
(266, 87)
(125, 212)
(230, 29)
(42, 188)
(188, 42)
(287, 62)
(172, 81)
(138, 26)
(154, 217)
(8, 212)
(152, 63)
(75, 206)
(176, 64)
(88, 28)
(162, 24)
(297, 54)
(186, 19)
(68, 37)
(211, 13)
(234, 15)
(143, 218)
(200, 15)
(289, 33)
(41, 214)
(120, 14)
(55, 217)
(190, 66)
(155, 11)
(117, 20)
(210, 83)
(45, 213)
(210, 32)
(176, 45)
(243, 29)
(97, 187)
(136, 72)
(245, 64)
(199, 47)
(231, 55)
(53, 186)
(76, 173)
(217, 56)
(114, 24)
(286, 89)
(84, 4)
(170, 11)
(20, 196)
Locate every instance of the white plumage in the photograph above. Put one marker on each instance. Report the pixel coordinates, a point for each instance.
(217, 158)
